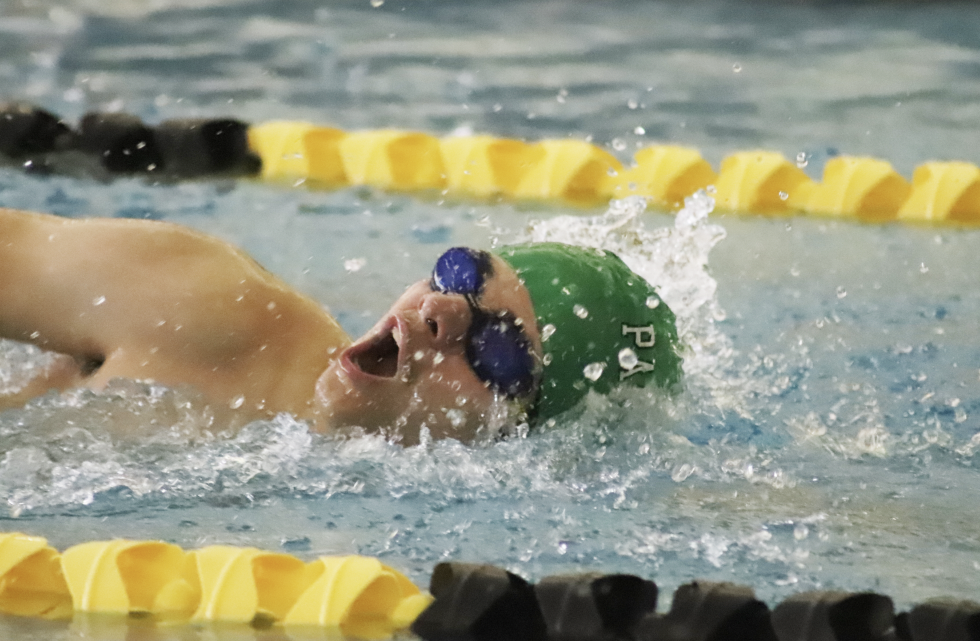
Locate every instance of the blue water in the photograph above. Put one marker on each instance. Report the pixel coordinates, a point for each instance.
(828, 432)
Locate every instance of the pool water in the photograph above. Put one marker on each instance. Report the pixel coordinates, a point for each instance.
(828, 431)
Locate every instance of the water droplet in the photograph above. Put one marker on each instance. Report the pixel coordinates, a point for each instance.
(580, 311)
(98, 301)
(632, 104)
(418, 355)
(497, 107)
(237, 402)
(354, 264)
(628, 358)
(593, 371)
(653, 302)
(737, 68)
(547, 331)
(457, 417)
(923, 269)
(438, 358)
(639, 131)
(801, 531)
(841, 292)
(618, 144)
(801, 160)
(377, 3)
(783, 195)
(681, 472)
(547, 359)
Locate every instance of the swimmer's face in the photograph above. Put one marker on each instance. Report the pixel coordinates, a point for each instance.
(411, 369)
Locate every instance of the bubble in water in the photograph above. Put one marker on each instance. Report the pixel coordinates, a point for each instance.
(737, 68)
(628, 358)
(783, 195)
(801, 531)
(98, 301)
(438, 358)
(547, 331)
(923, 269)
(841, 292)
(593, 371)
(639, 131)
(801, 160)
(237, 402)
(612, 172)
(632, 103)
(418, 355)
(354, 264)
(547, 359)
(580, 311)
(377, 3)
(653, 302)
(618, 144)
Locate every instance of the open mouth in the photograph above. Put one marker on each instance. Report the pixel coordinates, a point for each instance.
(379, 358)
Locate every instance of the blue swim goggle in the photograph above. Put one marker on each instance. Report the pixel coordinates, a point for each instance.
(498, 350)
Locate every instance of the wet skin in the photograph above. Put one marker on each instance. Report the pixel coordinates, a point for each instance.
(411, 368)
(156, 301)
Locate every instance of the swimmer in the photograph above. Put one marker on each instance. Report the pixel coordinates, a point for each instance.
(529, 329)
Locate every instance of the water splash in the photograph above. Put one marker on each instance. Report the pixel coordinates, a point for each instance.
(675, 260)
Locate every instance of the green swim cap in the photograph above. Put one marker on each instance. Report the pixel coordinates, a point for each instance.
(602, 325)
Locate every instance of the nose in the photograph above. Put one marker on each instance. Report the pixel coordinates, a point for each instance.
(446, 317)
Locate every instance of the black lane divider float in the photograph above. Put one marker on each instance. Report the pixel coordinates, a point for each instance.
(485, 603)
(483, 167)
(111, 144)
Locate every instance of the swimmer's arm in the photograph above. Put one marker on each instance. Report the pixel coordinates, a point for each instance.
(93, 287)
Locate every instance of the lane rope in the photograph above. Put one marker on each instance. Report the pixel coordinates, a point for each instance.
(153, 583)
(484, 167)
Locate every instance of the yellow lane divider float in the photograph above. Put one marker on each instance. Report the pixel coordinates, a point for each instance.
(349, 596)
(576, 172)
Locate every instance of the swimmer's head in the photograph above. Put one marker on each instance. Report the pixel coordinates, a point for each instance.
(456, 353)
(601, 324)
(526, 332)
